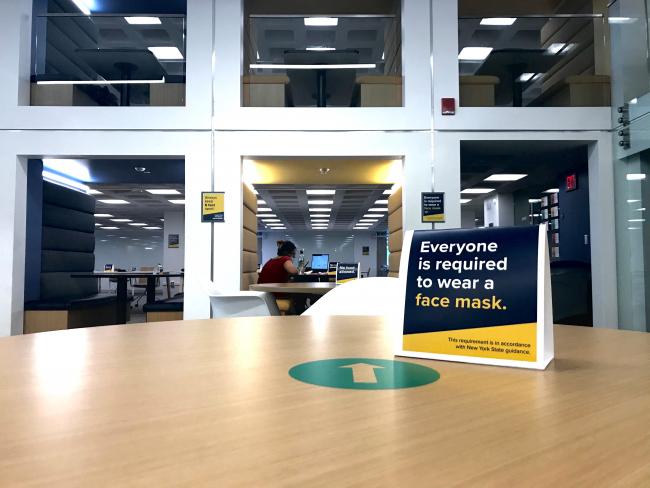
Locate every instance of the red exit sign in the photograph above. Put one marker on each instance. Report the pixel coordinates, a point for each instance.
(571, 182)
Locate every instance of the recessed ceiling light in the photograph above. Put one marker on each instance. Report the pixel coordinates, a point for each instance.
(114, 201)
(525, 77)
(122, 237)
(379, 209)
(140, 169)
(388, 192)
(636, 220)
(109, 228)
(162, 220)
(166, 53)
(271, 220)
(94, 192)
(381, 202)
(633, 201)
(621, 20)
(476, 191)
(148, 248)
(266, 215)
(465, 200)
(635, 176)
(505, 177)
(320, 220)
(474, 53)
(321, 48)
(180, 201)
(121, 220)
(552, 190)
(261, 202)
(264, 209)
(143, 20)
(498, 20)
(98, 225)
(555, 48)
(103, 215)
(368, 220)
(321, 21)
(320, 210)
(534, 200)
(163, 191)
(103, 240)
(137, 224)
(321, 192)
(320, 202)
(372, 216)
(152, 228)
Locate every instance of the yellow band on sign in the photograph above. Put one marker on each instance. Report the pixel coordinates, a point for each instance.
(212, 207)
(433, 218)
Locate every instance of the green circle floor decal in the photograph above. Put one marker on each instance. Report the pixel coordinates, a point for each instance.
(364, 374)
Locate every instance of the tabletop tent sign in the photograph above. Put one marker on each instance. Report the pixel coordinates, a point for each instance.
(477, 296)
(347, 272)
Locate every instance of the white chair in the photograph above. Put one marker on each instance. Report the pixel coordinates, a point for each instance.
(243, 304)
(369, 296)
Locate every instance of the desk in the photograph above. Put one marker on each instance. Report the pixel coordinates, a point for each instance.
(313, 288)
(191, 403)
(122, 278)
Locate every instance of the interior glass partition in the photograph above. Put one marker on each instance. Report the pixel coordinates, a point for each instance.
(347, 59)
(558, 60)
(108, 60)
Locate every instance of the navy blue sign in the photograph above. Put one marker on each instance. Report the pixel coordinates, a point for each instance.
(464, 279)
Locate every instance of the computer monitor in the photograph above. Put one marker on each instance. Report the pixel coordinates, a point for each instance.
(320, 262)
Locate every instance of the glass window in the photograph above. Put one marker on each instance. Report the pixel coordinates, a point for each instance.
(532, 57)
(317, 58)
(82, 55)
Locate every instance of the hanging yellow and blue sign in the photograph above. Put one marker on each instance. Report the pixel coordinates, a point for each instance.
(433, 207)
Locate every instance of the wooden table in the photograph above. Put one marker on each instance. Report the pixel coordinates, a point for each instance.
(302, 288)
(122, 277)
(210, 403)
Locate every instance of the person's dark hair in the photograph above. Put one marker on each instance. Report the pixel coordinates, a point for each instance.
(286, 248)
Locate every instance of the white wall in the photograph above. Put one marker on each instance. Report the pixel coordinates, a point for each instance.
(126, 255)
(174, 258)
(333, 243)
(499, 210)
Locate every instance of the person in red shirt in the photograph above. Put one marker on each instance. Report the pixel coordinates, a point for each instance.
(280, 268)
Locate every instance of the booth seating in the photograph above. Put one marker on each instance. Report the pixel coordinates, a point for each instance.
(164, 310)
(478, 91)
(395, 232)
(265, 90)
(67, 246)
(578, 91)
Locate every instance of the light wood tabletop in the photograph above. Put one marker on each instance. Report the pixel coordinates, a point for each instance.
(291, 287)
(210, 403)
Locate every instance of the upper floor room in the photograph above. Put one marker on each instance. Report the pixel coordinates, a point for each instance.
(293, 65)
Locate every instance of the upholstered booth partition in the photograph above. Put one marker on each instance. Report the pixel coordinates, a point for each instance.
(395, 232)
(249, 238)
(67, 247)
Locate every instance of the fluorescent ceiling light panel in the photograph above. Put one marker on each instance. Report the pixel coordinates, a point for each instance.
(164, 191)
(476, 191)
(368, 220)
(534, 200)
(264, 209)
(261, 202)
(121, 220)
(83, 6)
(633, 201)
(180, 201)
(377, 210)
(388, 192)
(321, 21)
(319, 221)
(114, 201)
(552, 190)
(621, 20)
(166, 53)
(313, 66)
(321, 48)
(635, 176)
(152, 228)
(498, 20)
(555, 48)
(381, 202)
(148, 248)
(60, 180)
(143, 20)
(138, 224)
(636, 220)
(271, 220)
(94, 192)
(320, 202)
(505, 177)
(98, 225)
(266, 215)
(465, 200)
(524, 77)
(321, 192)
(320, 210)
(474, 53)
(109, 228)
(101, 215)
(372, 216)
